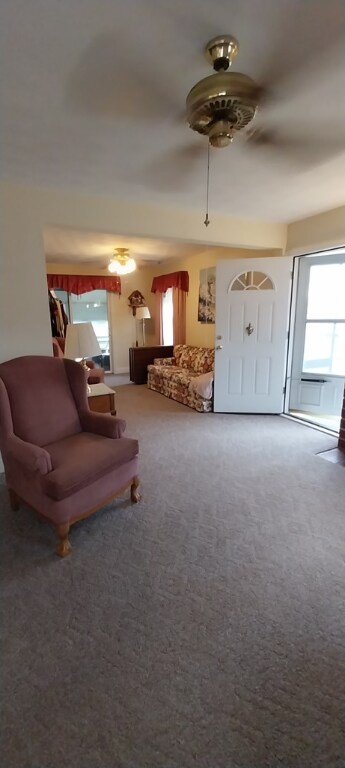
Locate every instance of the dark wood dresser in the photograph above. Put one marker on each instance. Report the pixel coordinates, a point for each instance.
(141, 357)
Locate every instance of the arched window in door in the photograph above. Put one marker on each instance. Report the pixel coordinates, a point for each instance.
(252, 281)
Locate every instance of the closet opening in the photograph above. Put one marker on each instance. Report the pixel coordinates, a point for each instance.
(91, 307)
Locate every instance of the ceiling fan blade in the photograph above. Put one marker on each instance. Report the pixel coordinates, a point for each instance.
(171, 170)
(297, 54)
(105, 84)
(305, 151)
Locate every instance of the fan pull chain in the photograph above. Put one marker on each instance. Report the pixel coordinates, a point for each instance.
(207, 220)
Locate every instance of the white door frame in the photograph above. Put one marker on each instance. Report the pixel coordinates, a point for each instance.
(298, 310)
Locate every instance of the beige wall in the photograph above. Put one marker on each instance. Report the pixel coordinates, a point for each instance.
(24, 315)
(326, 230)
(124, 329)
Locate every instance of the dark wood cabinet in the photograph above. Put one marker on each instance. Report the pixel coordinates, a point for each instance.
(141, 357)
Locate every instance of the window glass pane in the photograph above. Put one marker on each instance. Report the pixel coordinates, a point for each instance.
(237, 286)
(260, 280)
(324, 348)
(168, 317)
(267, 285)
(250, 281)
(326, 295)
(92, 307)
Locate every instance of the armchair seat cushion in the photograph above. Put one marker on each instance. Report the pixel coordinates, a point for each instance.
(81, 459)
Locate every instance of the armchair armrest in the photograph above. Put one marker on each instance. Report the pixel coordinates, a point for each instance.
(30, 456)
(102, 424)
(164, 361)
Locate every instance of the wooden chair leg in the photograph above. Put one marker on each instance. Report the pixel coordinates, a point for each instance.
(14, 499)
(63, 548)
(135, 495)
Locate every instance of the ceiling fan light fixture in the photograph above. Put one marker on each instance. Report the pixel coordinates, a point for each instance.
(221, 134)
(121, 263)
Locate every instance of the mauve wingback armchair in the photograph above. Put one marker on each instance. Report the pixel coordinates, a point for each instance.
(60, 458)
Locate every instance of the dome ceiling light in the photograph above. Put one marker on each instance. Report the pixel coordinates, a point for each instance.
(121, 263)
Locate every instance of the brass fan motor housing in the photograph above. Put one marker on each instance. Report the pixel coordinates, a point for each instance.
(225, 96)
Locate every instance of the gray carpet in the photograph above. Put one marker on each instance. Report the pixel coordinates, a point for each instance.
(203, 627)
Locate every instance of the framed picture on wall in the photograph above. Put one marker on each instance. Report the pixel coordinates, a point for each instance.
(207, 296)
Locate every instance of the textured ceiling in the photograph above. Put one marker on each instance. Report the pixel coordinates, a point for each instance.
(93, 98)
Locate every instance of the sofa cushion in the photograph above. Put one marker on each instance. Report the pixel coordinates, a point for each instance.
(199, 359)
(81, 459)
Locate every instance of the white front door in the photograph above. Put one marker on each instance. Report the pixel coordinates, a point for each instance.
(252, 308)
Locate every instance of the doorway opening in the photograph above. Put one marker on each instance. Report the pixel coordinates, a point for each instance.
(318, 353)
(91, 306)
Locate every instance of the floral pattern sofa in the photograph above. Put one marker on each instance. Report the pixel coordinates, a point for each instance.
(187, 377)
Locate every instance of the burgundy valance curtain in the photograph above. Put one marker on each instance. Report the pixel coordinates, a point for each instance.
(179, 280)
(79, 284)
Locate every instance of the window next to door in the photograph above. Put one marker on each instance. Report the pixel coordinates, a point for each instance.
(324, 346)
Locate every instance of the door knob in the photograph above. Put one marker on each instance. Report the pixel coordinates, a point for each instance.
(219, 346)
(249, 328)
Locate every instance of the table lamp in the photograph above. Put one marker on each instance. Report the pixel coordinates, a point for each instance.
(81, 342)
(143, 314)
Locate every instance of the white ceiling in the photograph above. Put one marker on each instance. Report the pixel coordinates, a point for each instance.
(93, 98)
(67, 246)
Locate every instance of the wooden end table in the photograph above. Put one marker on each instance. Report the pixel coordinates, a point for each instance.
(102, 399)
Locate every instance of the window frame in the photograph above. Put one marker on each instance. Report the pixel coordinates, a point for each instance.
(306, 262)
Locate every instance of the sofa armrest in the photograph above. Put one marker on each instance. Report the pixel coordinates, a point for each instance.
(164, 361)
(102, 424)
(91, 364)
(32, 457)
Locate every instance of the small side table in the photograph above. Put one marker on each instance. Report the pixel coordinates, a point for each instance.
(102, 399)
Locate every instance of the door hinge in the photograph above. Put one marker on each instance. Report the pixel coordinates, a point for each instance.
(284, 390)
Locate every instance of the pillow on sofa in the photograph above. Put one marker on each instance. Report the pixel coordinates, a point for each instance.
(202, 385)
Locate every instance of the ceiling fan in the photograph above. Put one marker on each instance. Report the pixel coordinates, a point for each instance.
(224, 104)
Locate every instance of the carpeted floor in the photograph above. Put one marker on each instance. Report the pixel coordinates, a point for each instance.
(203, 627)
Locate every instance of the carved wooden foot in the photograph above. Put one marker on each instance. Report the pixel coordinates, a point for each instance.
(14, 500)
(63, 548)
(135, 495)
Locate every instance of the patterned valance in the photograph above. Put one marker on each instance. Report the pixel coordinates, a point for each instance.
(79, 284)
(179, 280)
